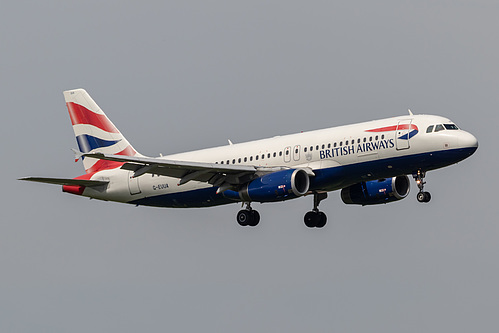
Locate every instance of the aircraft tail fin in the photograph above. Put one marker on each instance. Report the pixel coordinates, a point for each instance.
(94, 131)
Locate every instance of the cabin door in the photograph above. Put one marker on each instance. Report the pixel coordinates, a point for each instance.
(402, 134)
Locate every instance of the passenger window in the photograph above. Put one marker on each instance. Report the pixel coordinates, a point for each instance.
(251, 158)
(305, 149)
(376, 138)
(311, 148)
(365, 139)
(317, 147)
(429, 129)
(222, 162)
(328, 145)
(382, 137)
(341, 143)
(323, 146)
(370, 138)
(239, 160)
(228, 162)
(245, 159)
(275, 154)
(256, 157)
(334, 145)
(233, 161)
(280, 153)
(451, 127)
(263, 156)
(346, 143)
(439, 128)
(268, 155)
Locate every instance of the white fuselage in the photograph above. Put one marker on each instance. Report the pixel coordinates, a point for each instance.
(363, 151)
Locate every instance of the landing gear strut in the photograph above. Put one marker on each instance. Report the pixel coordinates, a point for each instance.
(422, 196)
(248, 216)
(316, 218)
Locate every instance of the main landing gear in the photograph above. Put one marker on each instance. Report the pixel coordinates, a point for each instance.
(422, 196)
(316, 218)
(248, 216)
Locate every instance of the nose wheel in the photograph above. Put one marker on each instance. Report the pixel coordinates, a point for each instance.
(248, 217)
(422, 196)
(316, 218)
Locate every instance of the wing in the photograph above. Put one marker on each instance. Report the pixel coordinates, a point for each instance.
(65, 181)
(224, 176)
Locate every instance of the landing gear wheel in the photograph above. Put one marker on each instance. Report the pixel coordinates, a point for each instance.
(322, 220)
(424, 197)
(243, 217)
(255, 218)
(315, 219)
(248, 216)
(310, 219)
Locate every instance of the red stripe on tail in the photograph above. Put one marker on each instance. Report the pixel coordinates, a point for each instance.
(81, 115)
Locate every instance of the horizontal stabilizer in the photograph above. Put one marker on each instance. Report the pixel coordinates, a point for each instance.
(64, 181)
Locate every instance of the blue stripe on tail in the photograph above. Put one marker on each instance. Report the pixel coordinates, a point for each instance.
(87, 143)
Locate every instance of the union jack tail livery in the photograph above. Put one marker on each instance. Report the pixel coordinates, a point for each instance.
(94, 132)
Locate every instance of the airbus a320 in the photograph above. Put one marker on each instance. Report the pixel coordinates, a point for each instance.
(369, 162)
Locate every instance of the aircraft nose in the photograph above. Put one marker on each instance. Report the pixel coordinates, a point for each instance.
(468, 140)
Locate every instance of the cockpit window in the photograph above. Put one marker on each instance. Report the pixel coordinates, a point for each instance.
(439, 128)
(429, 129)
(451, 127)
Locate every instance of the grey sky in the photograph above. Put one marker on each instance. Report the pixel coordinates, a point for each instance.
(185, 75)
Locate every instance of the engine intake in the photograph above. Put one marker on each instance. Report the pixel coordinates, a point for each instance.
(376, 192)
(276, 186)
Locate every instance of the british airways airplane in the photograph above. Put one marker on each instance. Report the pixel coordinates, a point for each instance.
(369, 162)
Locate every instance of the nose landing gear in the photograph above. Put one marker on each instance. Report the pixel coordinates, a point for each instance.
(316, 218)
(422, 196)
(248, 216)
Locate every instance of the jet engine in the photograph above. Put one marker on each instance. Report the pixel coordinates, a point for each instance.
(275, 186)
(376, 192)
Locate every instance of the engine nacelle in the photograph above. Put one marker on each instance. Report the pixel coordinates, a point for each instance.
(276, 186)
(376, 191)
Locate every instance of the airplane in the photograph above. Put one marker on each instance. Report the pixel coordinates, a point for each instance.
(369, 162)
